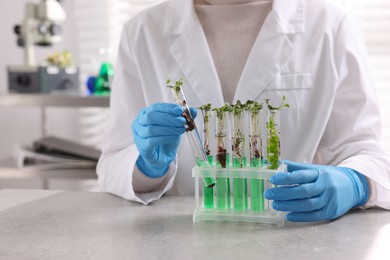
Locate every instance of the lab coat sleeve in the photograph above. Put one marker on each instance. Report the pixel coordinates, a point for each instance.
(116, 165)
(352, 135)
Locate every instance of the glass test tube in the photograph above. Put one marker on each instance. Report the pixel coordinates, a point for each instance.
(240, 190)
(208, 192)
(273, 139)
(221, 159)
(256, 159)
(193, 134)
(207, 134)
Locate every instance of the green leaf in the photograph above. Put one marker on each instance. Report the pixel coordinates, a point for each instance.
(206, 107)
(280, 107)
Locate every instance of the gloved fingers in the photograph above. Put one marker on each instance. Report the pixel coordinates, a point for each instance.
(312, 216)
(160, 118)
(193, 112)
(303, 191)
(300, 205)
(156, 130)
(294, 166)
(151, 142)
(295, 177)
(168, 108)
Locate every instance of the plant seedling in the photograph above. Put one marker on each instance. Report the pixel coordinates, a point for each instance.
(206, 122)
(254, 108)
(181, 101)
(221, 133)
(238, 147)
(273, 146)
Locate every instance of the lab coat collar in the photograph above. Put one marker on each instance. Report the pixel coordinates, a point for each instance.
(290, 14)
(269, 54)
(191, 52)
(180, 15)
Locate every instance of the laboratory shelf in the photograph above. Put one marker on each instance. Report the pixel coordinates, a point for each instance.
(27, 173)
(8, 167)
(46, 101)
(54, 100)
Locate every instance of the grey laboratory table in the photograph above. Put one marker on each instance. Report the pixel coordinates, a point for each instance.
(42, 224)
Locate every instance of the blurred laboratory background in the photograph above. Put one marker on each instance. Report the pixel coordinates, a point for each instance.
(83, 36)
(90, 33)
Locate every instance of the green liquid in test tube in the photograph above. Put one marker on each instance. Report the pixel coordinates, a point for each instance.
(256, 155)
(208, 192)
(221, 158)
(191, 130)
(240, 189)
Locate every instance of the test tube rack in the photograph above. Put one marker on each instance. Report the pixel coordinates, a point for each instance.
(266, 215)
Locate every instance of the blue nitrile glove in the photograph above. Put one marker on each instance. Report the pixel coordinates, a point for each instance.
(318, 192)
(157, 133)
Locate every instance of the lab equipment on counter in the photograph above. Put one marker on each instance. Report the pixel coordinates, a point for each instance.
(60, 146)
(100, 85)
(43, 79)
(240, 181)
(191, 129)
(41, 27)
(49, 153)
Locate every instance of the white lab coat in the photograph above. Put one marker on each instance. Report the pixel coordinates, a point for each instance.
(308, 50)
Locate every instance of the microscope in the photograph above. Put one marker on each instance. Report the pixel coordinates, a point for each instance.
(41, 27)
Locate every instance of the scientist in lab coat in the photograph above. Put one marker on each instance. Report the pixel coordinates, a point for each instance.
(228, 50)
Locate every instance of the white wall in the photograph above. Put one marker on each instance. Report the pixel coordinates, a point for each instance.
(23, 124)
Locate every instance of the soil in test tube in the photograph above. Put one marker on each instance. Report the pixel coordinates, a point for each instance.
(223, 184)
(191, 130)
(190, 123)
(221, 156)
(208, 192)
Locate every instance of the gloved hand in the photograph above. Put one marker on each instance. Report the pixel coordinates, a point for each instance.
(157, 133)
(318, 192)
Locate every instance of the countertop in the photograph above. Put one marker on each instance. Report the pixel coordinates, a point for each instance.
(41, 224)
